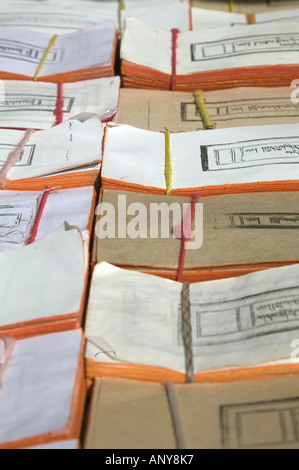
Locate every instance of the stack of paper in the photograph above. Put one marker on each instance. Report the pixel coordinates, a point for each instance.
(43, 284)
(252, 415)
(216, 59)
(35, 104)
(156, 110)
(43, 393)
(207, 19)
(231, 235)
(70, 16)
(27, 213)
(250, 159)
(247, 6)
(82, 55)
(242, 328)
(68, 155)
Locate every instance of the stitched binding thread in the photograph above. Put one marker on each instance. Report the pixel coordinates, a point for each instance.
(202, 109)
(13, 157)
(58, 112)
(175, 34)
(168, 166)
(184, 231)
(175, 415)
(45, 56)
(187, 332)
(41, 207)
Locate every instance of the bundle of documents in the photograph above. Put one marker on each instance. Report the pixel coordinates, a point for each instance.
(71, 16)
(250, 159)
(207, 19)
(36, 105)
(43, 284)
(43, 392)
(156, 110)
(210, 59)
(240, 327)
(68, 155)
(26, 216)
(231, 235)
(82, 55)
(247, 6)
(126, 414)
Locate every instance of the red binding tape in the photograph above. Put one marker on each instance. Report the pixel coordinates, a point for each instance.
(58, 112)
(184, 231)
(38, 217)
(175, 34)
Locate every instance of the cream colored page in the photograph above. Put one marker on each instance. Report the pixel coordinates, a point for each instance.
(126, 414)
(248, 415)
(205, 19)
(135, 156)
(235, 322)
(166, 16)
(157, 110)
(70, 144)
(70, 52)
(32, 105)
(149, 40)
(38, 386)
(44, 279)
(70, 205)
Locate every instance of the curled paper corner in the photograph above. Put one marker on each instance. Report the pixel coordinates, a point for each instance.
(6, 347)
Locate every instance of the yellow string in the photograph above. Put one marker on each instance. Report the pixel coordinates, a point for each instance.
(168, 166)
(231, 6)
(251, 19)
(122, 5)
(45, 56)
(201, 106)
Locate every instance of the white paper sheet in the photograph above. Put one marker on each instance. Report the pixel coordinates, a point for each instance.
(87, 48)
(37, 386)
(70, 144)
(248, 155)
(243, 321)
(32, 104)
(44, 279)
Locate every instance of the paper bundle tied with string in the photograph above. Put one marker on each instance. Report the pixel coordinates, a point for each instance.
(126, 414)
(212, 162)
(43, 284)
(65, 156)
(42, 105)
(47, 410)
(210, 59)
(83, 55)
(157, 330)
(223, 236)
(157, 110)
